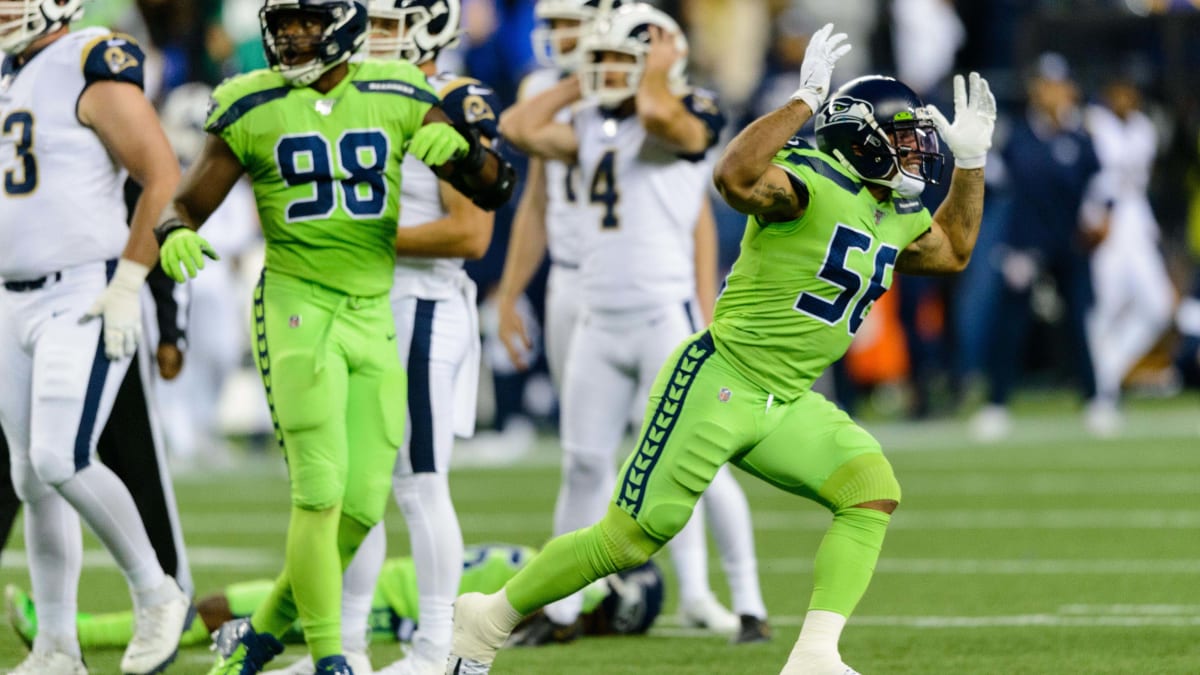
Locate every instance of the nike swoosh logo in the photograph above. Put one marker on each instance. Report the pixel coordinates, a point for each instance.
(392, 336)
(58, 313)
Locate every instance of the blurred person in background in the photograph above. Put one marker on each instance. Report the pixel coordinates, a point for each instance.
(1134, 294)
(1050, 162)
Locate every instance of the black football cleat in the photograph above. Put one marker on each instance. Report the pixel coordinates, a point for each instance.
(753, 630)
(540, 630)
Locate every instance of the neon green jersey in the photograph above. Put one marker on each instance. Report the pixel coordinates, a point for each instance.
(799, 290)
(326, 167)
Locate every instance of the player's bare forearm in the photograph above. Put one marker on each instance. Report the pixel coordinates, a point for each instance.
(464, 232)
(705, 255)
(946, 247)
(205, 184)
(961, 212)
(527, 242)
(664, 115)
(530, 126)
(744, 175)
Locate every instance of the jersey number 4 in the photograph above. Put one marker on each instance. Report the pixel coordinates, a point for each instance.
(19, 124)
(308, 160)
(603, 189)
(834, 271)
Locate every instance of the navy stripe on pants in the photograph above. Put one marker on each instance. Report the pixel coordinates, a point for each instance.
(420, 406)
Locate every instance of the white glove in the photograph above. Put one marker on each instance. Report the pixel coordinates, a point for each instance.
(120, 306)
(970, 136)
(823, 51)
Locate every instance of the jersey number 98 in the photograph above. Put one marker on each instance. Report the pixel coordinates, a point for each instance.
(308, 160)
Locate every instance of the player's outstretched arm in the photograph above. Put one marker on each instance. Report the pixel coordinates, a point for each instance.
(526, 248)
(204, 187)
(744, 174)
(529, 124)
(660, 110)
(127, 125)
(946, 247)
(458, 155)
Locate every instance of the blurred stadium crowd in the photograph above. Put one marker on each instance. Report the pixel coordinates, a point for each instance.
(1085, 275)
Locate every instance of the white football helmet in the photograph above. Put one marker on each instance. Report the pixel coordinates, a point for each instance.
(183, 116)
(627, 31)
(548, 40)
(421, 30)
(23, 21)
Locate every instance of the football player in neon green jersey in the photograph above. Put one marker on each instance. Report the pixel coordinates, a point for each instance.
(322, 140)
(622, 604)
(826, 229)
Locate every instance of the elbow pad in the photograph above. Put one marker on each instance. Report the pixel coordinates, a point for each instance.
(464, 175)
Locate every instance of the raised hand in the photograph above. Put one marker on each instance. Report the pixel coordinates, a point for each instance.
(970, 136)
(817, 70)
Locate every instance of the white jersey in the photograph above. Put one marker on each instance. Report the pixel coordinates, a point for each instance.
(647, 199)
(1126, 149)
(465, 101)
(566, 214)
(61, 201)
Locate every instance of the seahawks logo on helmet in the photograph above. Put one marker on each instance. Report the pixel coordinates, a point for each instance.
(847, 109)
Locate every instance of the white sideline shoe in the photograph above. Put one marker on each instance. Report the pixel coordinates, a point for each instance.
(991, 424)
(359, 662)
(156, 633)
(707, 612)
(50, 663)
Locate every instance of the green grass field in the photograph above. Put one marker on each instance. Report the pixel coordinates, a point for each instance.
(1049, 553)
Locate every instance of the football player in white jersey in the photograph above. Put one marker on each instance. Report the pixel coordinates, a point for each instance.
(70, 104)
(639, 141)
(1134, 295)
(437, 332)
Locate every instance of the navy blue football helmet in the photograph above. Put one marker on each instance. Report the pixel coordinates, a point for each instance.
(634, 601)
(413, 30)
(875, 126)
(345, 30)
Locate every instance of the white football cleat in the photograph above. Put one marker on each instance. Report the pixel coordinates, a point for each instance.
(359, 662)
(422, 659)
(156, 633)
(50, 663)
(708, 613)
(991, 424)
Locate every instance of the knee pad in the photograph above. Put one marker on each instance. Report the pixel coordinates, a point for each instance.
(865, 478)
(51, 468)
(26, 484)
(415, 491)
(624, 540)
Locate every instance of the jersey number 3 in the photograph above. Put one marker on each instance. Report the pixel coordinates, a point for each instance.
(834, 271)
(308, 160)
(19, 124)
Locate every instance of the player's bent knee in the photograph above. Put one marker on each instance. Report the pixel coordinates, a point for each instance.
(585, 469)
(627, 544)
(865, 479)
(51, 468)
(664, 519)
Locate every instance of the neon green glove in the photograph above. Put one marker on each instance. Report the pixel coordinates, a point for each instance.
(437, 143)
(184, 246)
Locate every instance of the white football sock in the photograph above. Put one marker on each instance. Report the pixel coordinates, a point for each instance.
(689, 555)
(726, 507)
(358, 588)
(104, 503)
(54, 548)
(818, 641)
(437, 550)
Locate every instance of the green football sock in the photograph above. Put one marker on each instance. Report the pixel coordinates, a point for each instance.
(315, 568)
(846, 559)
(574, 560)
(116, 630)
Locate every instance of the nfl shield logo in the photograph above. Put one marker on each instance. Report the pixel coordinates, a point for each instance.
(294, 321)
(878, 216)
(723, 397)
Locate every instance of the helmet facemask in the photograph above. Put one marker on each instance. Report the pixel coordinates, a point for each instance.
(340, 36)
(626, 32)
(901, 153)
(405, 32)
(24, 21)
(609, 81)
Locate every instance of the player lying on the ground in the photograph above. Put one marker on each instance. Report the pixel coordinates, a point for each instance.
(624, 604)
